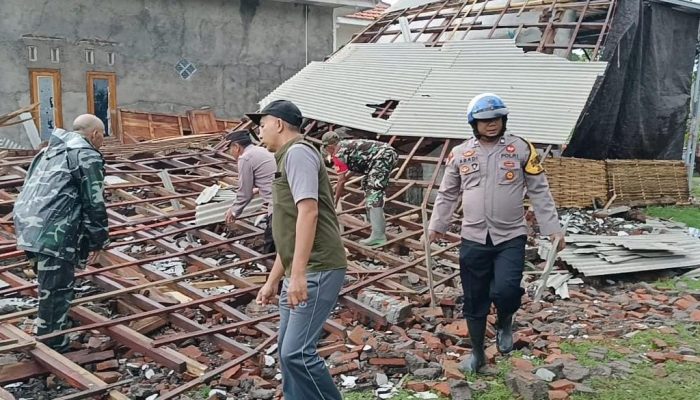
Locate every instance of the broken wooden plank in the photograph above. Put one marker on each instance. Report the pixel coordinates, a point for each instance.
(60, 365)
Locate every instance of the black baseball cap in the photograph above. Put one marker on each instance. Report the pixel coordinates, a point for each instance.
(282, 109)
(238, 137)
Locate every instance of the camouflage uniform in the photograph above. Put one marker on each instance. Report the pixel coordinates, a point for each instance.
(375, 160)
(60, 217)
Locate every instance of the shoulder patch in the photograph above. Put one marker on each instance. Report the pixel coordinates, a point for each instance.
(534, 164)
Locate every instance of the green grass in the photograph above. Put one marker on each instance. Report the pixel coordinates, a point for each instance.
(672, 284)
(369, 395)
(689, 215)
(682, 383)
(696, 187)
(581, 350)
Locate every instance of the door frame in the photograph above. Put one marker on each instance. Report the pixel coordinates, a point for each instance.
(111, 78)
(55, 74)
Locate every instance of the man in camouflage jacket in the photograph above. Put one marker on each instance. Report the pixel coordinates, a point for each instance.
(375, 160)
(60, 217)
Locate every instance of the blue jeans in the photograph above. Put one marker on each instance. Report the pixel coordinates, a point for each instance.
(304, 373)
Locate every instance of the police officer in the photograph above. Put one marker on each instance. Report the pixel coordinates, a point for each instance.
(60, 217)
(256, 170)
(373, 159)
(491, 173)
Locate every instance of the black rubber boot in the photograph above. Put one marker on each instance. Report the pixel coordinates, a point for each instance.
(504, 334)
(477, 330)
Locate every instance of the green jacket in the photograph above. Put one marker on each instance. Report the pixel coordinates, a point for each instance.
(327, 252)
(60, 211)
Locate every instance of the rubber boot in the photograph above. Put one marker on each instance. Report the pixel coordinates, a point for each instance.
(504, 333)
(378, 222)
(477, 330)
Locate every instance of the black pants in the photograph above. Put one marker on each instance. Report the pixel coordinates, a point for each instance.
(491, 273)
(268, 242)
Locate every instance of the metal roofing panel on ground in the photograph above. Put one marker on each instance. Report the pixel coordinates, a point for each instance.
(592, 265)
(545, 93)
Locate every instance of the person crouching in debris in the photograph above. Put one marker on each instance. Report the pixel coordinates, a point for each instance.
(491, 172)
(60, 217)
(373, 159)
(256, 170)
(310, 252)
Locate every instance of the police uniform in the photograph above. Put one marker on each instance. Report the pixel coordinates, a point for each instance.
(256, 169)
(492, 184)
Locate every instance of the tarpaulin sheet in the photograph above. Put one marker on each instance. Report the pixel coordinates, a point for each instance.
(639, 109)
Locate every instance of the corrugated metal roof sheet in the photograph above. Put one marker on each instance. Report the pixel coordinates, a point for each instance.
(402, 4)
(545, 93)
(6, 143)
(212, 213)
(594, 265)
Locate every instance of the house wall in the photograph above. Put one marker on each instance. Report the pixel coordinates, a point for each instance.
(242, 50)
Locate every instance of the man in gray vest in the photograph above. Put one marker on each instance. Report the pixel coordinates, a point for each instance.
(310, 252)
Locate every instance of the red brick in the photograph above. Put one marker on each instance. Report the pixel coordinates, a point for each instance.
(244, 330)
(107, 365)
(357, 335)
(262, 383)
(656, 357)
(399, 331)
(522, 364)
(563, 385)
(636, 315)
(683, 303)
(328, 350)
(109, 376)
(521, 340)
(457, 328)
(393, 362)
(491, 352)
(558, 395)
(695, 316)
(417, 386)
(231, 372)
(578, 295)
(432, 342)
(554, 357)
(451, 369)
(191, 351)
(443, 388)
(343, 369)
(661, 297)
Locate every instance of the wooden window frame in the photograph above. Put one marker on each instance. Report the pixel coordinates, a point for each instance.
(34, 93)
(111, 78)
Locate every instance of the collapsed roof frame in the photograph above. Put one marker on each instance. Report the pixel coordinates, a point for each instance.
(141, 213)
(437, 22)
